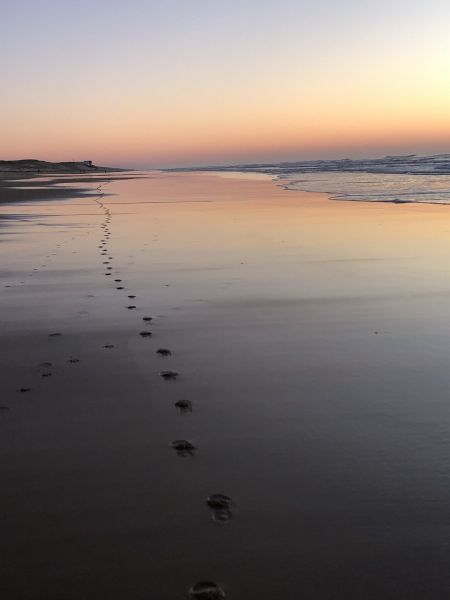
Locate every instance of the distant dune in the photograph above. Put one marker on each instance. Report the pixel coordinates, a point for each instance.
(41, 166)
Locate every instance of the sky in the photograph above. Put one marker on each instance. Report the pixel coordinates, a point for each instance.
(158, 83)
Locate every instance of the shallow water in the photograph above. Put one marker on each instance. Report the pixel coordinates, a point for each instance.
(374, 187)
(311, 338)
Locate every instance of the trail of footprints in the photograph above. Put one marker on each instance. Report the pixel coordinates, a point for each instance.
(219, 504)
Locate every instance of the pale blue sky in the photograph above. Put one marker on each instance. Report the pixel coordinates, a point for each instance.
(174, 63)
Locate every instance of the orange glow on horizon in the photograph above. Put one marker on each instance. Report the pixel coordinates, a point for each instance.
(218, 131)
(370, 90)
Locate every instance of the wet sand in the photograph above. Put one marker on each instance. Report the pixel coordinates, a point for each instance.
(23, 187)
(310, 341)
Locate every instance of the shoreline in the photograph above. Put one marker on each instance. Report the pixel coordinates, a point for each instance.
(12, 191)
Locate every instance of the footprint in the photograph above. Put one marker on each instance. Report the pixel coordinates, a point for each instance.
(131, 307)
(120, 287)
(147, 319)
(108, 346)
(46, 375)
(169, 375)
(131, 296)
(53, 335)
(45, 365)
(219, 501)
(222, 515)
(183, 447)
(184, 405)
(73, 360)
(145, 334)
(221, 506)
(164, 352)
(206, 590)
(24, 390)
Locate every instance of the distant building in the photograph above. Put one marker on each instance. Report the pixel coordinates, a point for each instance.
(87, 163)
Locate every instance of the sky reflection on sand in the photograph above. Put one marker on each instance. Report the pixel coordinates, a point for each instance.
(311, 338)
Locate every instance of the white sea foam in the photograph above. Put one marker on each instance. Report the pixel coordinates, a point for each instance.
(373, 187)
(408, 178)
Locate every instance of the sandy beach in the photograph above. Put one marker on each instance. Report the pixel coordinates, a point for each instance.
(309, 340)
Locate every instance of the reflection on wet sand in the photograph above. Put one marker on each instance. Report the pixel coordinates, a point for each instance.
(310, 337)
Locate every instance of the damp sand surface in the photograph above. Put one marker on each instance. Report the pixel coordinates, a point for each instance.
(310, 342)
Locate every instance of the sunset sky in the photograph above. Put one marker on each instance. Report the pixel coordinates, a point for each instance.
(150, 83)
